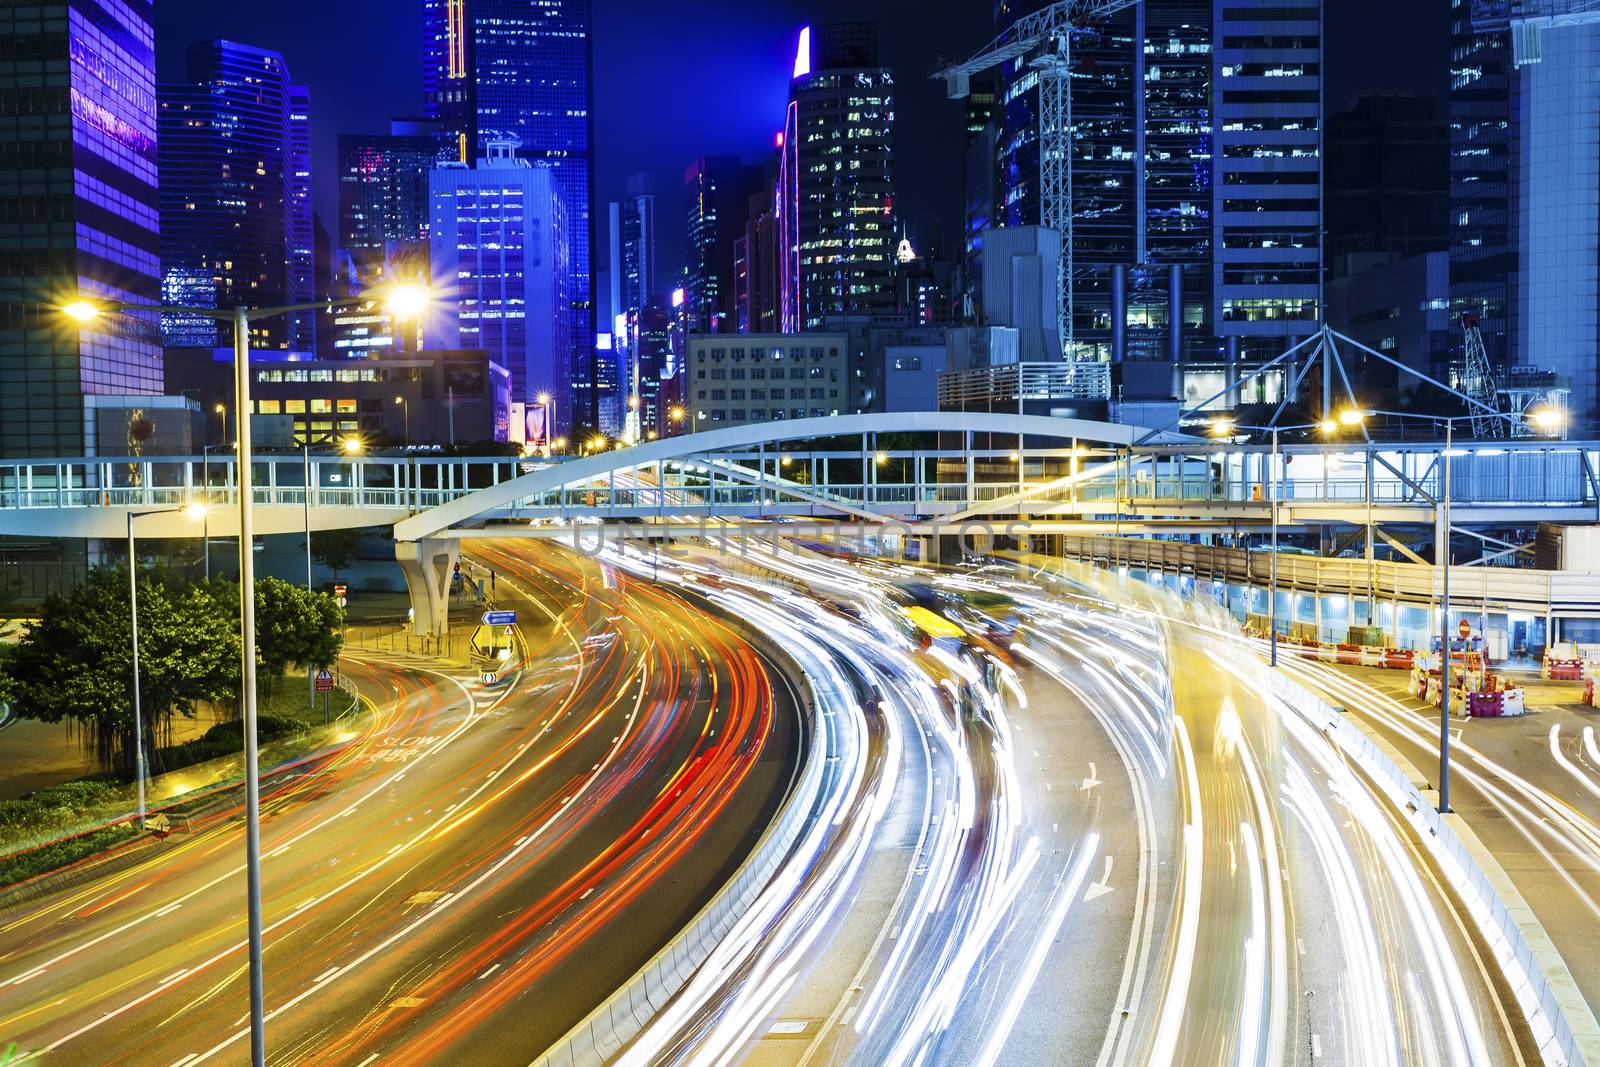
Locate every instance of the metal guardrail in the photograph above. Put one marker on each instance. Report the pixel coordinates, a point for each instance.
(1570, 594)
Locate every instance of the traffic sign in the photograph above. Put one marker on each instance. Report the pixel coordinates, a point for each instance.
(1464, 628)
(324, 681)
(339, 590)
(488, 677)
(343, 603)
(499, 618)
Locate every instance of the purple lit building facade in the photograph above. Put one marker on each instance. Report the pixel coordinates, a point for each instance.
(79, 204)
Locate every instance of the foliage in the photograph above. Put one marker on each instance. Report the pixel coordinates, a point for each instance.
(76, 663)
(295, 626)
(223, 739)
(336, 549)
(58, 854)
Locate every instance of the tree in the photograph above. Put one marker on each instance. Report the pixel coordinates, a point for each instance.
(295, 626)
(336, 549)
(76, 663)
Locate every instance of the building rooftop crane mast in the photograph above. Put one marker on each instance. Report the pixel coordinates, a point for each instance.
(1043, 40)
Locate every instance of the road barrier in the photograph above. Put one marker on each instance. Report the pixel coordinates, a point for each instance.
(604, 1032)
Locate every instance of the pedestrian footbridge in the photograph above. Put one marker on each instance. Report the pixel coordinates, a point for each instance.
(928, 473)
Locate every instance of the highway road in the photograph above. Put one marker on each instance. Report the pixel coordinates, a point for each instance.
(1285, 914)
(459, 882)
(1528, 786)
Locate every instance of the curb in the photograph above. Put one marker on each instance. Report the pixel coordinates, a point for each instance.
(95, 865)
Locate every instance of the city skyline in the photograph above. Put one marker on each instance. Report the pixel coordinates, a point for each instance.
(753, 50)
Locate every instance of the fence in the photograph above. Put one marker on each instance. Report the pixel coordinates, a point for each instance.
(1569, 594)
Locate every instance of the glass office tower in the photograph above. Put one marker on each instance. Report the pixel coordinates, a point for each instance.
(78, 214)
(517, 72)
(229, 232)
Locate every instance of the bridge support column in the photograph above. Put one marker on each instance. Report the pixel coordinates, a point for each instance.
(428, 566)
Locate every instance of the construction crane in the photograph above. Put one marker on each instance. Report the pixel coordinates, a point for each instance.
(1477, 382)
(1043, 40)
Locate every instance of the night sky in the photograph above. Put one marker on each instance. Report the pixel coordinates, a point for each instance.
(677, 81)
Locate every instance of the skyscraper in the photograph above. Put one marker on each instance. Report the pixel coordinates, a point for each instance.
(1196, 195)
(496, 233)
(633, 247)
(494, 70)
(757, 273)
(1268, 191)
(232, 203)
(1483, 181)
(78, 214)
(836, 179)
(383, 225)
(383, 187)
(716, 194)
(301, 223)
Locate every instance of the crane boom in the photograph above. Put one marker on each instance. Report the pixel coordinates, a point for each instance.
(1044, 40)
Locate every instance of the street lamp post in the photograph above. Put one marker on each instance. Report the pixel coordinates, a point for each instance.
(133, 621)
(1272, 606)
(305, 445)
(139, 763)
(405, 301)
(1444, 624)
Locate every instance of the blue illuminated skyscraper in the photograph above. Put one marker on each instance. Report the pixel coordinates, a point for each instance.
(78, 213)
(235, 193)
(496, 233)
(497, 70)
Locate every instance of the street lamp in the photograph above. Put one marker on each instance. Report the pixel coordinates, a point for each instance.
(404, 301)
(350, 446)
(1543, 418)
(1225, 428)
(543, 400)
(193, 511)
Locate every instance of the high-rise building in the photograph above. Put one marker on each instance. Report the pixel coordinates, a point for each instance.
(716, 193)
(1196, 172)
(78, 214)
(633, 247)
(301, 222)
(497, 239)
(836, 179)
(383, 227)
(980, 180)
(1267, 270)
(498, 70)
(383, 187)
(757, 269)
(1483, 181)
(229, 208)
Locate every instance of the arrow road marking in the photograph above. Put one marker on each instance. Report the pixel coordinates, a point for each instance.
(1091, 781)
(1103, 886)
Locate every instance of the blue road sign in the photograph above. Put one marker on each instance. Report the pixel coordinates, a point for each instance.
(499, 618)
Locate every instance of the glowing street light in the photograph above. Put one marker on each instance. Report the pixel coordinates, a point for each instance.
(1547, 419)
(407, 300)
(351, 446)
(1221, 427)
(1352, 417)
(82, 310)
